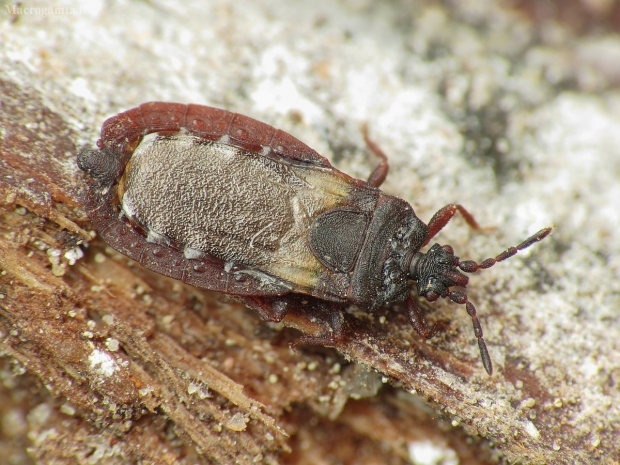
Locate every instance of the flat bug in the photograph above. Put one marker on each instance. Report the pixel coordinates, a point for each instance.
(224, 202)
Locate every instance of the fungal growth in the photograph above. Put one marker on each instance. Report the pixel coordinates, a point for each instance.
(227, 203)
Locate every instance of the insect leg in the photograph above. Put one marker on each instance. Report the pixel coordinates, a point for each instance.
(418, 322)
(268, 309)
(331, 337)
(443, 216)
(379, 174)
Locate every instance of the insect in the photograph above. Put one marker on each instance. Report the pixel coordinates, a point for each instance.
(221, 201)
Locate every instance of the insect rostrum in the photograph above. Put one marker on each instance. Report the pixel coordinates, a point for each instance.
(224, 202)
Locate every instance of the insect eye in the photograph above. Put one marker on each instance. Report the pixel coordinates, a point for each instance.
(448, 248)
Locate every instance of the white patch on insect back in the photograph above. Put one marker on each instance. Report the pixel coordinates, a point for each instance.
(225, 139)
(300, 213)
(265, 151)
(259, 233)
(149, 138)
(193, 254)
(157, 238)
(265, 282)
(226, 153)
(128, 206)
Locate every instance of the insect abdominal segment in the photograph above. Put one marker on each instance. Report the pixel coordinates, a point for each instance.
(223, 202)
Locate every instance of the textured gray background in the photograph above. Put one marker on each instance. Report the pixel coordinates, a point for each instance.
(476, 103)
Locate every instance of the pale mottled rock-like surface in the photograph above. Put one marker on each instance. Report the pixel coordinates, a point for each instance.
(515, 113)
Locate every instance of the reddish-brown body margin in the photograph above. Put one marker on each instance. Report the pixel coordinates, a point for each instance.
(124, 129)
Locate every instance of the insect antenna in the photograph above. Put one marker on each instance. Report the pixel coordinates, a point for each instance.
(470, 266)
(437, 270)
